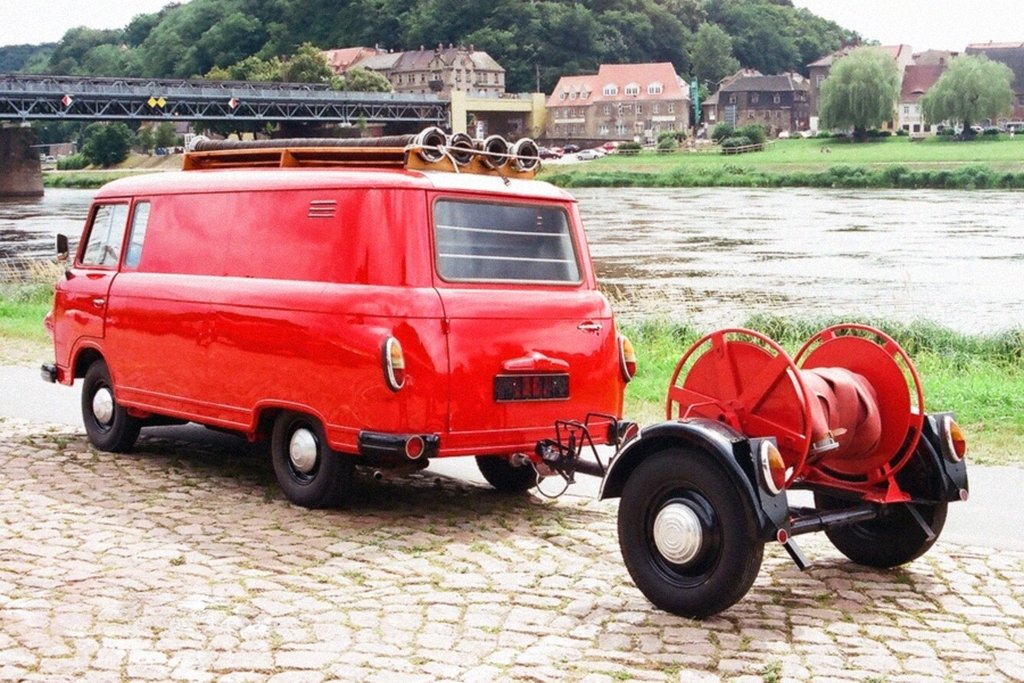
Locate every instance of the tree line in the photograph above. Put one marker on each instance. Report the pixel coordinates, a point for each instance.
(536, 42)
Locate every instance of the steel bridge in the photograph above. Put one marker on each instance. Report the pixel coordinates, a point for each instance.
(71, 98)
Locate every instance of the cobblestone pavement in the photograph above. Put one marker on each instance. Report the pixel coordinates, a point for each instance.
(179, 562)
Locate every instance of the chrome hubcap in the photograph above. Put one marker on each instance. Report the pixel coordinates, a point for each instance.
(677, 533)
(302, 450)
(103, 405)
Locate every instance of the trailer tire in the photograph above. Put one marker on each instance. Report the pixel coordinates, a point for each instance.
(504, 476)
(308, 470)
(107, 423)
(893, 539)
(688, 534)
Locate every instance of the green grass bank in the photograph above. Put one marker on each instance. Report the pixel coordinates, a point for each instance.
(987, 162)
(979, 377)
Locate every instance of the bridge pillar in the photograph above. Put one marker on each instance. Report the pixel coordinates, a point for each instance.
(21, 174)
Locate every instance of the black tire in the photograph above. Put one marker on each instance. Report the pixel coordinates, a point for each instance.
(504, 476)
(310, 473)
(107, 423)
(695, 494)
(895, 537)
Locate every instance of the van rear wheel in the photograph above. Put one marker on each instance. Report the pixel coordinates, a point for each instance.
(308, 470)
(107, 423)
(504, 476)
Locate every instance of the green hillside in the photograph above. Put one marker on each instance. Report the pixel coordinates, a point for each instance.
(535, 41)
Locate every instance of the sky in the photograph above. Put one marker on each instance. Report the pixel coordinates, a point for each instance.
(922, 24)
(926, 24)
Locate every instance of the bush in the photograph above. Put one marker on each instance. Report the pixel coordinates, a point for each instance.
(722, 131)
(902, 132)
(667, 145)
(629, 148)
(72, 162)
(735, 141)
(755, 132)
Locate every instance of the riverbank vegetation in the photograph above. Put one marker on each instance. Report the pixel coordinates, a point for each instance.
(987, 162)
(981, 378)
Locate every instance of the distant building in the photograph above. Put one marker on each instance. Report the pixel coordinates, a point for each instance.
(619, 102)
(1012, 55)
(917, 80)
(439, 71)
(779, 103)
(819, 70)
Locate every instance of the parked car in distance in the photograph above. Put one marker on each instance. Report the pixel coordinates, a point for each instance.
(571, 148)
(550, 153)
(589, 155)
(611, 145)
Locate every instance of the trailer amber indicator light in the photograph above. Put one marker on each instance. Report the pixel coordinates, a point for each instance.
(627, 358)
(956, 442)
(773, 468)
(393, 361)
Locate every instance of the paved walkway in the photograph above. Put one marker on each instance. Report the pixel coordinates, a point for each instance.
(184, 562)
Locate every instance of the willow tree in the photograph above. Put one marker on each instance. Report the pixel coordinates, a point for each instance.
(971, 89)
(860, 91)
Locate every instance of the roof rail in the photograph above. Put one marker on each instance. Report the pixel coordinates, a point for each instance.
(431, 149)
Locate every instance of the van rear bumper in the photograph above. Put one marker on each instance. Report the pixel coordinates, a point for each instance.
(381, 445)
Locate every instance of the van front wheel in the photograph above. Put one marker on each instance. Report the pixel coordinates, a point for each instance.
(108, 424)
(309, 472)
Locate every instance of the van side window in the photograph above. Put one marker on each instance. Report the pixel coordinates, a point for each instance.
(137, 235)
(105, 235)
(482, 241)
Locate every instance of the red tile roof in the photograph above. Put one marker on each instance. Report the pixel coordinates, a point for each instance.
(918, 79)
(644, 77)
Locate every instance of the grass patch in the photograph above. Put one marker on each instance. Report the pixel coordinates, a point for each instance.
(937, 163)
(26, 293)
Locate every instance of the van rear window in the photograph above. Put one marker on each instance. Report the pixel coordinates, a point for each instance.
(481, 241)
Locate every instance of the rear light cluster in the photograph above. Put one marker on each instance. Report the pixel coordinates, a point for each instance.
(956, 442)
(773, 468)
(393, 362)
(627, 358)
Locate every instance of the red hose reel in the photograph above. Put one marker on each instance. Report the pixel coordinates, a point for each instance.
(847, 410)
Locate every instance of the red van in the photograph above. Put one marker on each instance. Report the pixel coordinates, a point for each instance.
(357, 307)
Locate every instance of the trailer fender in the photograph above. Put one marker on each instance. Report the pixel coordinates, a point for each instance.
(732, 450)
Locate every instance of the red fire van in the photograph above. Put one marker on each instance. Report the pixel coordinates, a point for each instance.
(349, 307)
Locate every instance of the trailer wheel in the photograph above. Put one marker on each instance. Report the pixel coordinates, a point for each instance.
(309, 472)
(688, 535)
(893, 539)
(107, 423)
(504, 476)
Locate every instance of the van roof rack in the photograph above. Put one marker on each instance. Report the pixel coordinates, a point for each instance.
(431, 149)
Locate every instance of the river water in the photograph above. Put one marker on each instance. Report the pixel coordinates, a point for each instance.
(715, 256)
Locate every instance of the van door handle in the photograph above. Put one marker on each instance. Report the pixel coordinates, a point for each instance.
(589, 326)
(98, 302)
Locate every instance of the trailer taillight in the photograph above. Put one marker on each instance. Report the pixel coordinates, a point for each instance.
(393, 361)
(627, 358)
(773, 467)
(956, 442)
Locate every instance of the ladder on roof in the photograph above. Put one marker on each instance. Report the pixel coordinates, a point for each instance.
(429, 150)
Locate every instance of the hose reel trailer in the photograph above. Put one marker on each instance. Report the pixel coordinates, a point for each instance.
(702, 492)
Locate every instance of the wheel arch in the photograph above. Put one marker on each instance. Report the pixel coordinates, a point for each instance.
(714, 438)
(84, 357)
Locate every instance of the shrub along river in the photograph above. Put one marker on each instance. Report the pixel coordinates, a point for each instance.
(715, 256)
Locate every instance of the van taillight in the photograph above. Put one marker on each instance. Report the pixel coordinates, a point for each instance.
(393, 362)
(627, 358)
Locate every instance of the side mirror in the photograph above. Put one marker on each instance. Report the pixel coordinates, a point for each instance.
(62, 253)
